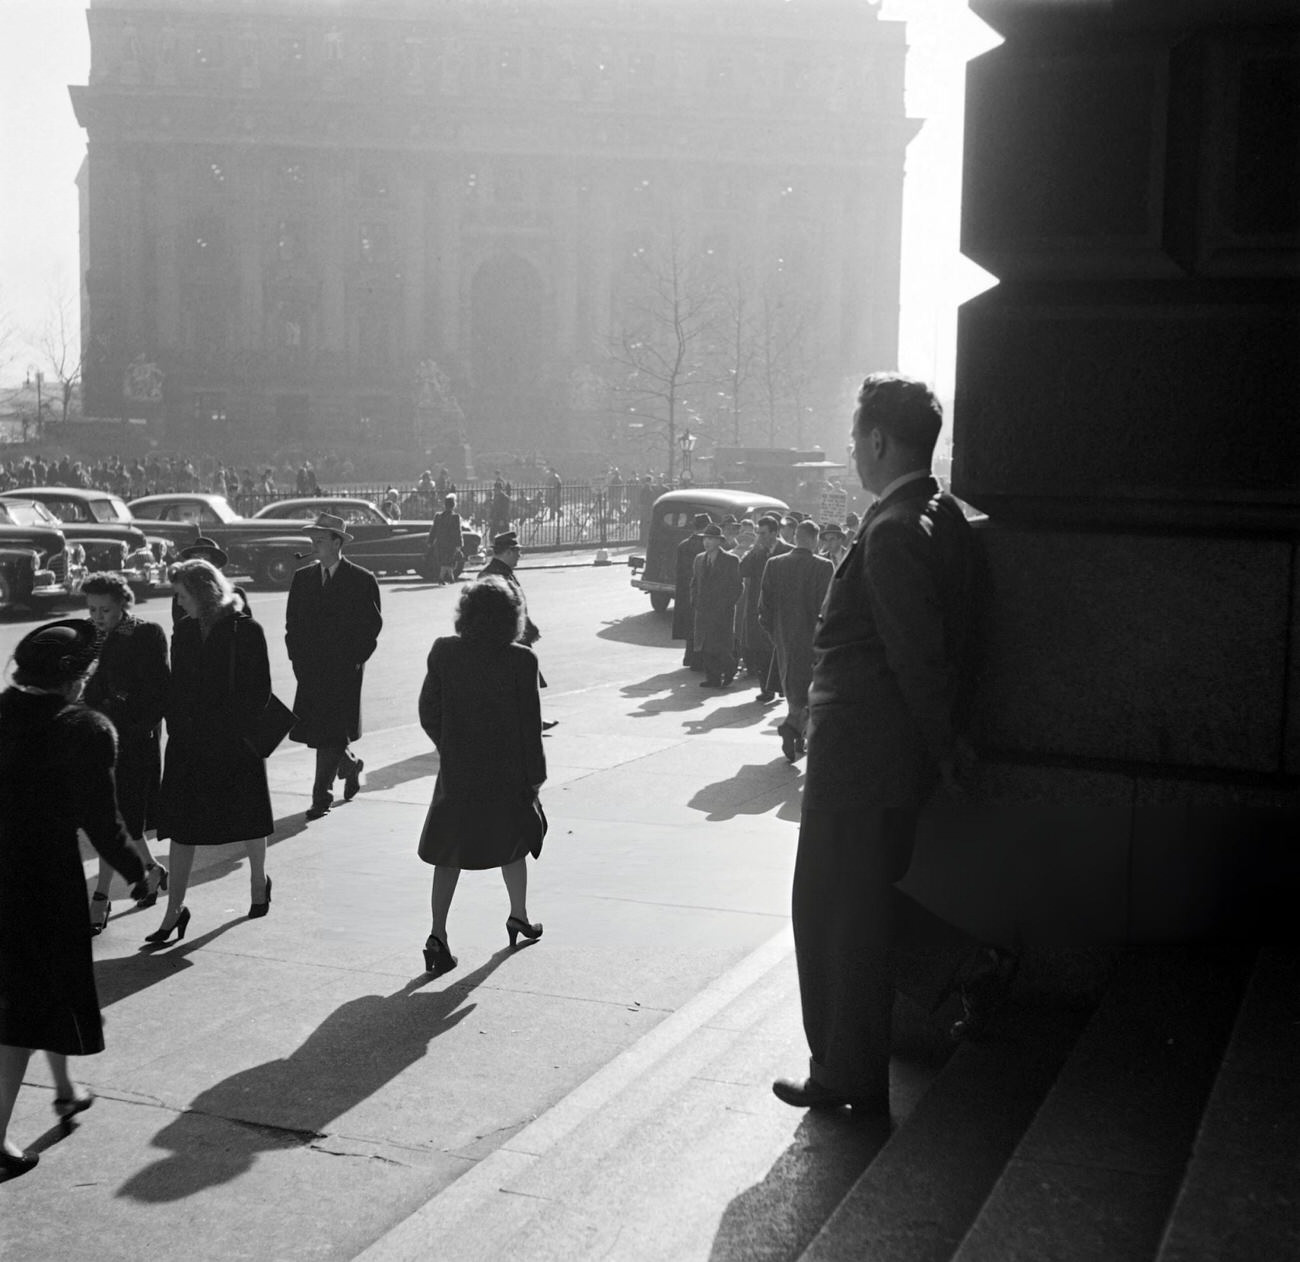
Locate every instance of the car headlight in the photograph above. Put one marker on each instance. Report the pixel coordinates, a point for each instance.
(76, 554)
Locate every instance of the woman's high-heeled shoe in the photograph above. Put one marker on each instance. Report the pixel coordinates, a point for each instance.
(97, 924)
(69, 1106)
(437, 956)
(257, 910)
(11, 1167)
(150, 899)
(182, 923)
(515, 926)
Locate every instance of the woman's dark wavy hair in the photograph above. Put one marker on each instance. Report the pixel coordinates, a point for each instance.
(490, 611)
(109, 583)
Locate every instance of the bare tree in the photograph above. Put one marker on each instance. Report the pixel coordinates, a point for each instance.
(59, 343)
(739, 346)
(783, 327)
(659, 357)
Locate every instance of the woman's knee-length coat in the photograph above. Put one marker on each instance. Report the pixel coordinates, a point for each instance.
(56, 776)
(130, 686)
(214, 786)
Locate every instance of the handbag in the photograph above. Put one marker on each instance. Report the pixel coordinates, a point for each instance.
(271, 726)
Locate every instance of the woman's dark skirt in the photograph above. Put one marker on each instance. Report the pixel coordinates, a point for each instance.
(481, 832)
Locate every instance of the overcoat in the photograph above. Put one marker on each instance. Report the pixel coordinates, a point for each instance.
(794, 586)
(446, 537)
(56, 776)
(891, 654)
(214, 786)
(479, 705)
(330, 633)
(683, 614)
(498, 567)
(715, 588)
(752, 564)
(130, 687)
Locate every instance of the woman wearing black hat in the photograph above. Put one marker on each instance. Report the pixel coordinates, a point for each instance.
(129, 686)
(479, 705)
(214, 788)
(56, 776)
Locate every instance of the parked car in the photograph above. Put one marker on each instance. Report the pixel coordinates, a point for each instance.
(670, 523)
(102, 524)
(37, 565)
(266, 550)
(381, 545)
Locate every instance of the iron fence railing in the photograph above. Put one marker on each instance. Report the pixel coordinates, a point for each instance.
(544, 516)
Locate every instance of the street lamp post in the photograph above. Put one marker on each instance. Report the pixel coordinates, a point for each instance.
(686, 441)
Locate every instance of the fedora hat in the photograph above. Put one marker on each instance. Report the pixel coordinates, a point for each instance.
(328, 523)
(205, 549)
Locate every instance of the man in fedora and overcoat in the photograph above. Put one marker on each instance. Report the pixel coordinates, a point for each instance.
(332, 623)
(715, 589)
(683, 612)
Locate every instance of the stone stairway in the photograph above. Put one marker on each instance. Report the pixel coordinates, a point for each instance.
(1160, 1124)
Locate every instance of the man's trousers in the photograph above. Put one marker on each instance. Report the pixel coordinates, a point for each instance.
(332, 761)
(858, 939)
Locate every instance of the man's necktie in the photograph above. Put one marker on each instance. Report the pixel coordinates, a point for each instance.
(325, 576)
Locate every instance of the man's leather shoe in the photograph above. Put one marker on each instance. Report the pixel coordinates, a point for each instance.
(352, 781)
(317, 810)
(810, 1094)
(790, 741)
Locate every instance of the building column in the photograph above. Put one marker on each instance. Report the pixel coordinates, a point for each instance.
(566, 256)
(448, 194)
(412, 245)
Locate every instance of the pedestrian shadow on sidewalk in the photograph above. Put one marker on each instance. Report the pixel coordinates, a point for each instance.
(121, 976)
(725, 799)
(670, 690)
(747, 713)
(648, 629)
(288, 1103)
(415, 767)
(778, 1218)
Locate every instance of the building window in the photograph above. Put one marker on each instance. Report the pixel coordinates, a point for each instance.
(373, 242)
(209, 52)
(413, 58)
(333, 48)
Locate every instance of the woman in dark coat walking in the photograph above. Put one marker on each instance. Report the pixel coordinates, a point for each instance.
(214, 787)
(56, 776)
(479, 706)
(129, 687)
(447, 541)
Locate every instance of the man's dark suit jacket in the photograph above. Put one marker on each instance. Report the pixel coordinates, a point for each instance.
(890, 654)
(330, 633)
(715, 588)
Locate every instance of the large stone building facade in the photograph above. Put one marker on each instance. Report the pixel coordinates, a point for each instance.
(370, 221)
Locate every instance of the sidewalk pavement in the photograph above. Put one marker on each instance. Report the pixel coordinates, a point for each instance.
(294, 1087)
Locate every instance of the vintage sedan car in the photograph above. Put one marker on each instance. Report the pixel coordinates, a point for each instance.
(381, 545)
(268, 550)
(37, 566)
(101, 523)
(670, 523)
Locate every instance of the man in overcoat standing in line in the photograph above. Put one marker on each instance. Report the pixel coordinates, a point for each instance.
(891, 652)
(793, 588)
(715, 588)
(331, 625)
(683, 611)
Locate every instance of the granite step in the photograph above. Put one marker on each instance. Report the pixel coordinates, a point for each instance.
(1240, 1198)
(1097, 1172)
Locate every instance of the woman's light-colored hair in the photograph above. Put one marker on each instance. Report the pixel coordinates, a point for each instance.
(206, 584)
(490, 610)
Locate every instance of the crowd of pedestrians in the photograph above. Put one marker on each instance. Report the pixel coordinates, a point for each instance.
(868, 643)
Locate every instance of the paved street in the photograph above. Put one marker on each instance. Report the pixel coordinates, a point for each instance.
(294, 1087)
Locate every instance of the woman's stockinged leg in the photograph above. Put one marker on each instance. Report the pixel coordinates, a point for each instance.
(515, 876)
(180, 861)
(444, 886)
(13, 1064)
(256, 852)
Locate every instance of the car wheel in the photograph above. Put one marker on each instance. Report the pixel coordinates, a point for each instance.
(278, 569)
(659, 601)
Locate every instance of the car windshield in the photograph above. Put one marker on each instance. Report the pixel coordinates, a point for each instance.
(26, 513)
(110, 508)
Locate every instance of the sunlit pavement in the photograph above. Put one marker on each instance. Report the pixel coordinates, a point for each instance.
(295, 1086)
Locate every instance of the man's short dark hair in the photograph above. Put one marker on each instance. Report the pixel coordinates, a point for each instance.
(902, 408)
(490, 611)
(768, 522)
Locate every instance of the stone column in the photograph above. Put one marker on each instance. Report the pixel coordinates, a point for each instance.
(565, 254)
(337, 251)
(412, 246)
(1126, 414)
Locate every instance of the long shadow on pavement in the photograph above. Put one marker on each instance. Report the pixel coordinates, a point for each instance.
(718, 800)
(670, 690)
(778, 1218)
(648, 629)
(122, 976)
(287, 1103)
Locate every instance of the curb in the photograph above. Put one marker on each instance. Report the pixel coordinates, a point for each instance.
(410, 1239)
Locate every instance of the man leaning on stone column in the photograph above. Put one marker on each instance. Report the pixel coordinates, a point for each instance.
(889, 658)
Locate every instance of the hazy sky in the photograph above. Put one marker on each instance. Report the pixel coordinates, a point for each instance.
(44, 47)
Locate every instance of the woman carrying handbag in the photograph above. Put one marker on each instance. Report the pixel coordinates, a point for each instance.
(214, 788)
(479, 705)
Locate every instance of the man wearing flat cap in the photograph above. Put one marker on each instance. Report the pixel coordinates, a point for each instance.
(715, 589)
(683, 611)
(331, 626)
